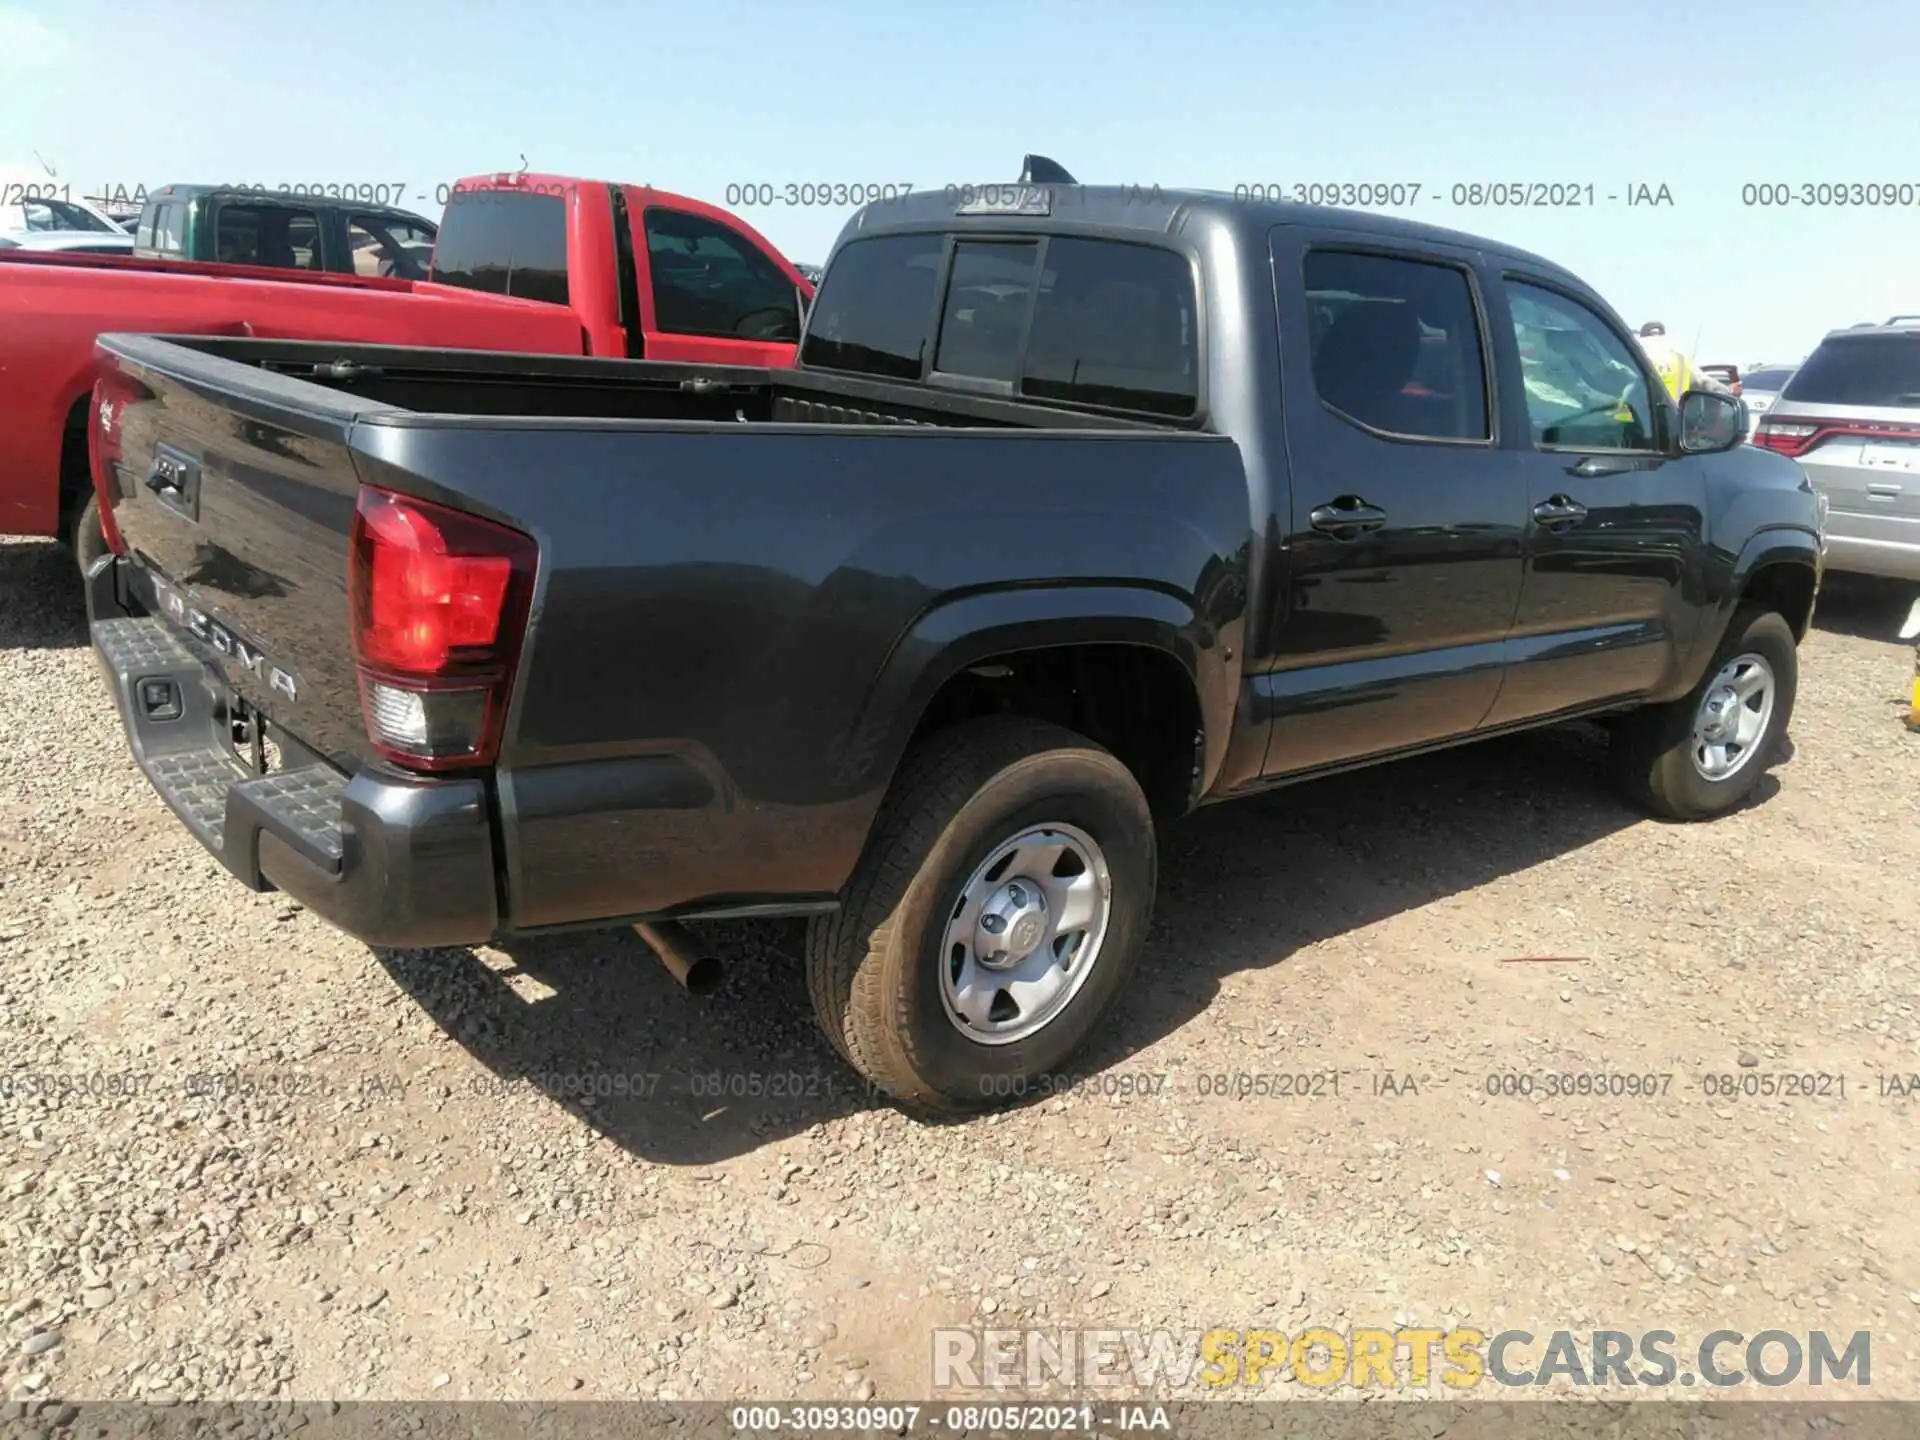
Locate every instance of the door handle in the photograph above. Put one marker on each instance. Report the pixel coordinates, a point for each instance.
(1593, 465)
(1346, 517)
(1559, 510)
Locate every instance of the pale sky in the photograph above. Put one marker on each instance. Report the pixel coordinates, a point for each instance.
(699, 98)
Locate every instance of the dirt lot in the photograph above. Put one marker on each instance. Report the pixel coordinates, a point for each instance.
(383, 1198)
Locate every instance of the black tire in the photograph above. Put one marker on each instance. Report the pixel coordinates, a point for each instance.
(85, 537)
(873, 968)
(1652, 748)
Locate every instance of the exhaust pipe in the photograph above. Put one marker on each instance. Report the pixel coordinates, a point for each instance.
(698, 974)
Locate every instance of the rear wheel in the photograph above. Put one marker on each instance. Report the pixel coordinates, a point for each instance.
(1702, 755)
(994, 919)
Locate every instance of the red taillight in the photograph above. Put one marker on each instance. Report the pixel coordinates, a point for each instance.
(1788, 438)
(440, 603)
(114, 395)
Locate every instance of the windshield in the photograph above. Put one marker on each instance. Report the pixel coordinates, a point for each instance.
(1771, 379)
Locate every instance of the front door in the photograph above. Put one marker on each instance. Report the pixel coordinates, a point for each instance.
(1613, 519)
(1403, 541)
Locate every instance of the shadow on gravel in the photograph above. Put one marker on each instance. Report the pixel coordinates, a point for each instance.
(1243, 886)
(1864, 607)
(1246, 885)
(42, 606)
(593, 1021)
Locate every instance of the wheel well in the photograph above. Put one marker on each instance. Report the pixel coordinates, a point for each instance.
(76, 468)
(1138, 702)
(1786, 586)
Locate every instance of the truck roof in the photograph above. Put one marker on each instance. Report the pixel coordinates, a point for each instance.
(1117, 209)
(364, 207)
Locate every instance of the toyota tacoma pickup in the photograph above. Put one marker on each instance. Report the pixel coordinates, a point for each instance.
(1081, 509)
(534, 263)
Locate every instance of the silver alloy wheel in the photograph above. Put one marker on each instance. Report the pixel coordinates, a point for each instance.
(1733, 716)
(1025, 933)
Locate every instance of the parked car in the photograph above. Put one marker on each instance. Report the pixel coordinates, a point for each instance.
(237, 226)
(1761, 387)
(1727, 375)
(1761, 383)
(614, 269)
(1850, 415)
(70, 242)
(27, 209)
(1079, 511)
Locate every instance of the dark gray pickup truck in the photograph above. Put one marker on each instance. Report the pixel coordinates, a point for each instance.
(1083, 508)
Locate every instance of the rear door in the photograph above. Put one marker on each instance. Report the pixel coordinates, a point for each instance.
(1612, 518)
(1851, 416)
(709, 293)
(1404, 538)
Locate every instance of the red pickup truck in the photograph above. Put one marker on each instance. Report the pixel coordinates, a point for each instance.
(528, 263)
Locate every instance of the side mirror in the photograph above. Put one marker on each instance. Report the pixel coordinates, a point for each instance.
(1710, 421)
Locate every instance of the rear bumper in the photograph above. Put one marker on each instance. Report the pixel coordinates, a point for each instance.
(1883, 545)
(393, 860)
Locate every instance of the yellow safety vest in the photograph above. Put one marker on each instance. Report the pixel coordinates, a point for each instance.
(1676, 373)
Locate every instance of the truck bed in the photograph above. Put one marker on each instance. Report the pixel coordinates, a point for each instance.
(748, 583)
(53, 308)
(438, 384)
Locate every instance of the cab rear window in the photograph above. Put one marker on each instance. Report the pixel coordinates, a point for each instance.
(1100, 324)
(504, 243)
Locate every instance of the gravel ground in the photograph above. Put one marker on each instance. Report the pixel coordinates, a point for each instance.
(384, 1197)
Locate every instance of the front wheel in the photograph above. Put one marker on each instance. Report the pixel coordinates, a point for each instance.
(1700, 756)
(994, 918)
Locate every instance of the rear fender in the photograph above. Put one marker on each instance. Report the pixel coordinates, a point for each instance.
(966, 630)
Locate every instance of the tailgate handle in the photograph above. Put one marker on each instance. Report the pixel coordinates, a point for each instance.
(174, 478)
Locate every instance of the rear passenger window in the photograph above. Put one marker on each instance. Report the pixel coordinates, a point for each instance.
(1585, 391)
(1114, 328)
(1396, 345)
(874, 309)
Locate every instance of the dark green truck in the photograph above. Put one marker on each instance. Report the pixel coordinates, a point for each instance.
(291, 230)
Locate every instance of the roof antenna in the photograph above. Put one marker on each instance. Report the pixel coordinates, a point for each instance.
(1039, 170)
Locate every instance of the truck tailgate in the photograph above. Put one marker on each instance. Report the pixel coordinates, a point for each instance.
(235, 499)
(225, 633)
